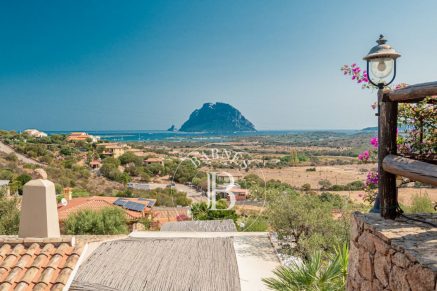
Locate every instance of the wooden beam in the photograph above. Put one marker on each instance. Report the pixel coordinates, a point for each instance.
(412, 169)
(387, 124)
(414, 93)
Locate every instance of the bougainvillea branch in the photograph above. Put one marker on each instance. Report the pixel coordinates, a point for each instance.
(417, 137)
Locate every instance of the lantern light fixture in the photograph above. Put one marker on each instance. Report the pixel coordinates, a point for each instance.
(381, 63)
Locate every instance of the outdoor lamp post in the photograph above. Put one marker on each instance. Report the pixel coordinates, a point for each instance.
(381, 63)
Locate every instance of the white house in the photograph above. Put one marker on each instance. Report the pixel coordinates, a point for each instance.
(35, 133)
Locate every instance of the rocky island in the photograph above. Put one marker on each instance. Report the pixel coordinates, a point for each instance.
(217, 117)
(172, 128)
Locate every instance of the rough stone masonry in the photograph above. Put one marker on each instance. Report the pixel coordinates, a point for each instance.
(393, 255)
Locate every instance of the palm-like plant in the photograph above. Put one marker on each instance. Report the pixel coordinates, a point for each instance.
(314, 274)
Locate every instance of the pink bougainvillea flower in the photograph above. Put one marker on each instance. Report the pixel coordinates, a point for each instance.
(374, 142)
(372, 178)
(364, 156)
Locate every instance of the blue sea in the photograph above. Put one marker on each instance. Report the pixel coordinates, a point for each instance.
(159, 135)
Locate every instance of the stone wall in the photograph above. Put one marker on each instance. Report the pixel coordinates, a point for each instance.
(392, 254)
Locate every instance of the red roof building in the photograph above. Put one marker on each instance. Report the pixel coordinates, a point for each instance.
(162, 215)
(99, 202)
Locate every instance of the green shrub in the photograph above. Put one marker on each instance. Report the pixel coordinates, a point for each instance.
(165, 197)
(253, 224)
(306, 187)
(420, 204)
(336, 200)
(201, 211)
(185, 172)
(66, 150)
(110, 220)
(130, 157)
(146, 222)
(251, 180)
(110, 170)
(11, 157)
(352, 186)
(325, 184)
(314, 274)
(125, 193)
(80, 193)
(309, 221)
(9, 215)
(145, 177)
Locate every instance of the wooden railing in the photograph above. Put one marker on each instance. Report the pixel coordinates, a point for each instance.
(411, 169)
(389, 163)
(413, 93)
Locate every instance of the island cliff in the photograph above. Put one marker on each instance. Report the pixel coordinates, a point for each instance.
(217, 117)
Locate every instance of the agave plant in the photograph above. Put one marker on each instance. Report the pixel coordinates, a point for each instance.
(315, 274)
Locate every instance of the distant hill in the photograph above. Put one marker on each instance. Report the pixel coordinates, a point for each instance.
(370, 129)
(217, 117)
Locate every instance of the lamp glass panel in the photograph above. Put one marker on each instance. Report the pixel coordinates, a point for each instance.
(381, 69)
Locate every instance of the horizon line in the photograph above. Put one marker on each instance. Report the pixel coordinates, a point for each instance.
(165, 130)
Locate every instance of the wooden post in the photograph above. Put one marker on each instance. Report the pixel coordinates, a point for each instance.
(387, 125)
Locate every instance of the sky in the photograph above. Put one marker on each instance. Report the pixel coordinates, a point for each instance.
(117, 65)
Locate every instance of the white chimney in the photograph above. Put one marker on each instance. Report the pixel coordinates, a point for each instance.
(68, 193)
(39, 212)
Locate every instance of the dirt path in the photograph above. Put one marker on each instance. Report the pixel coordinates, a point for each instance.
(7, 150)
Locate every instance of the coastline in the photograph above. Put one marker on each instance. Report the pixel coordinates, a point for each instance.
(171, 136)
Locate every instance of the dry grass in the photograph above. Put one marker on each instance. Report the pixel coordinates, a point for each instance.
(297, 176)
(405, 194)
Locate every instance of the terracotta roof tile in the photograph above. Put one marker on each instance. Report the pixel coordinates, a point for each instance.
(98, 203)
(37, 264)
(166, 214)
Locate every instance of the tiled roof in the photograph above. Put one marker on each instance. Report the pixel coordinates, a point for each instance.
(96, 203)
(37, 264)
(166, 214)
